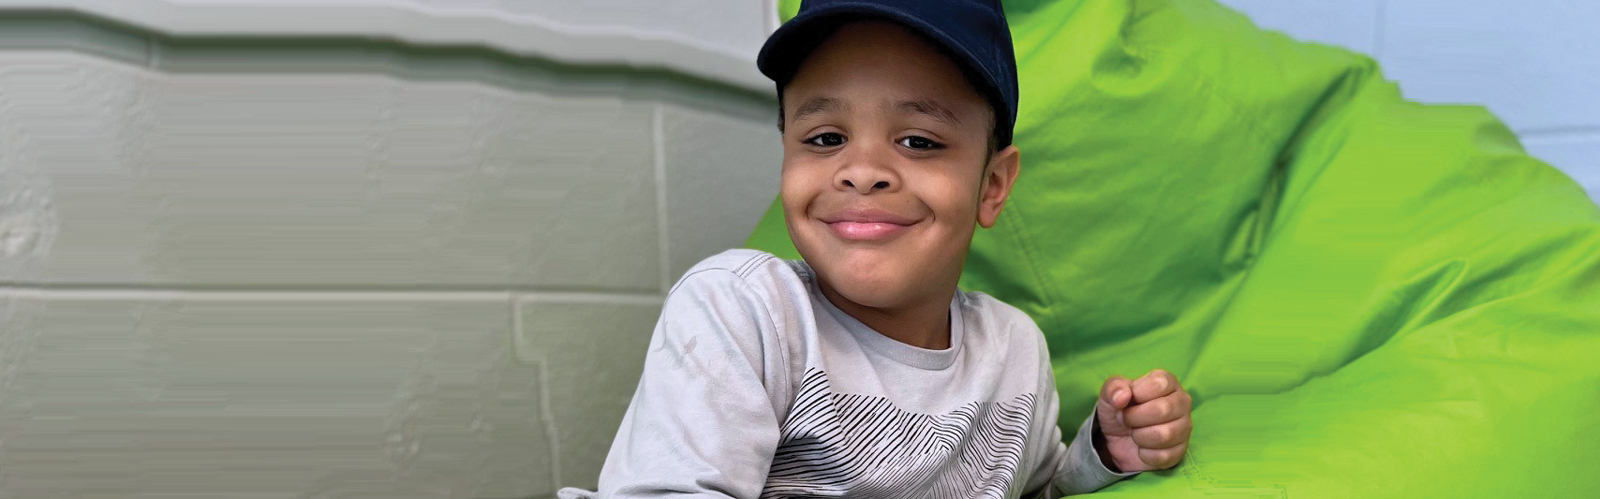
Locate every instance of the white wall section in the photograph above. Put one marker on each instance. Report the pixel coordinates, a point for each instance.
(401, 249)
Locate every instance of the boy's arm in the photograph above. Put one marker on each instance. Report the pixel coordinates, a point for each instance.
(701, 423)
(1067, 468)
(1079, 469)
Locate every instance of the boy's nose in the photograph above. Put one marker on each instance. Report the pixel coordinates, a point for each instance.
(866, 176)
(863, 187)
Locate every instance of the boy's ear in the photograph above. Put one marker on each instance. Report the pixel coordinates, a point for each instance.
(995, 187)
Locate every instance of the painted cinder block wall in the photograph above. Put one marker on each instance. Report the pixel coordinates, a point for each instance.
(399, 249)
(414, 248)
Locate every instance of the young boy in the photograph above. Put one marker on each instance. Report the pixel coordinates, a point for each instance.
(863, 371)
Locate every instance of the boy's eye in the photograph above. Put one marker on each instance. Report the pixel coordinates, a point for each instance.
(916, 142)
(828, 139)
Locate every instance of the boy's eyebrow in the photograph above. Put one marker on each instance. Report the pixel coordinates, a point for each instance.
(816, 105)
(930, 108)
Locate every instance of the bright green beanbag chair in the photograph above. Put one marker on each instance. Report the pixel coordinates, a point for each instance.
(1367, 297)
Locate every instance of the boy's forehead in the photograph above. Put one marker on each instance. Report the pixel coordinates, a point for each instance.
(930, 107)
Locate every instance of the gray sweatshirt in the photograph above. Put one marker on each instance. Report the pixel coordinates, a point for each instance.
(755, 385)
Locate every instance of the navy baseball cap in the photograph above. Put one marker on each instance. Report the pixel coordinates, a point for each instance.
(973, 33)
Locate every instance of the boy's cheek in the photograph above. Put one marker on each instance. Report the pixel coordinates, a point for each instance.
(798, 185)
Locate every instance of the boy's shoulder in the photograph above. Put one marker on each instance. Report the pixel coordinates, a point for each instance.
(745, 272)
(991, 314)
(994, 311)
(739, 262)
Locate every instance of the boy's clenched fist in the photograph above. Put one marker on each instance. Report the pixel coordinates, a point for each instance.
(1145, 422)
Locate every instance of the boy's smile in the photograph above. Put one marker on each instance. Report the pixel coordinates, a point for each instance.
(887, 171)
(867, 223)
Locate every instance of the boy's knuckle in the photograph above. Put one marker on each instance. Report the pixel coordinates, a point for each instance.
(1164, 436)
(1155, 437)
(1164, 406)
(1167, 457)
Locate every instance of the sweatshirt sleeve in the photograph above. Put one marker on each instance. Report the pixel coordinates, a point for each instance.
(1066, 468)
(1071, 469)
(702, 422)
(1078, 467)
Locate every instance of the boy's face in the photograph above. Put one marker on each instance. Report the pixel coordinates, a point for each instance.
(885, 148)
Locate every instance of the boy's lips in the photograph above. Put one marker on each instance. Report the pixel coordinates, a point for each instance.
(867, 224)
(867, 231)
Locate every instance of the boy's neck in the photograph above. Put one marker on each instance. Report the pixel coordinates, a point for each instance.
(925, 324)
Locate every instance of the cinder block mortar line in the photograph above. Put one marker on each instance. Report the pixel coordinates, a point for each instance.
(374, 295)
(658, 142)
(549, 424)
(546, 418)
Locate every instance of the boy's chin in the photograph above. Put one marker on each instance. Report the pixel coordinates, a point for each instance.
(879, 290)
(880, 278)
(868, 295)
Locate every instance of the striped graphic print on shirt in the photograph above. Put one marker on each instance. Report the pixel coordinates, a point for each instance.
(836, 445)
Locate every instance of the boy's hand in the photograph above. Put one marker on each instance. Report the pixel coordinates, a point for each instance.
(1145, 421)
